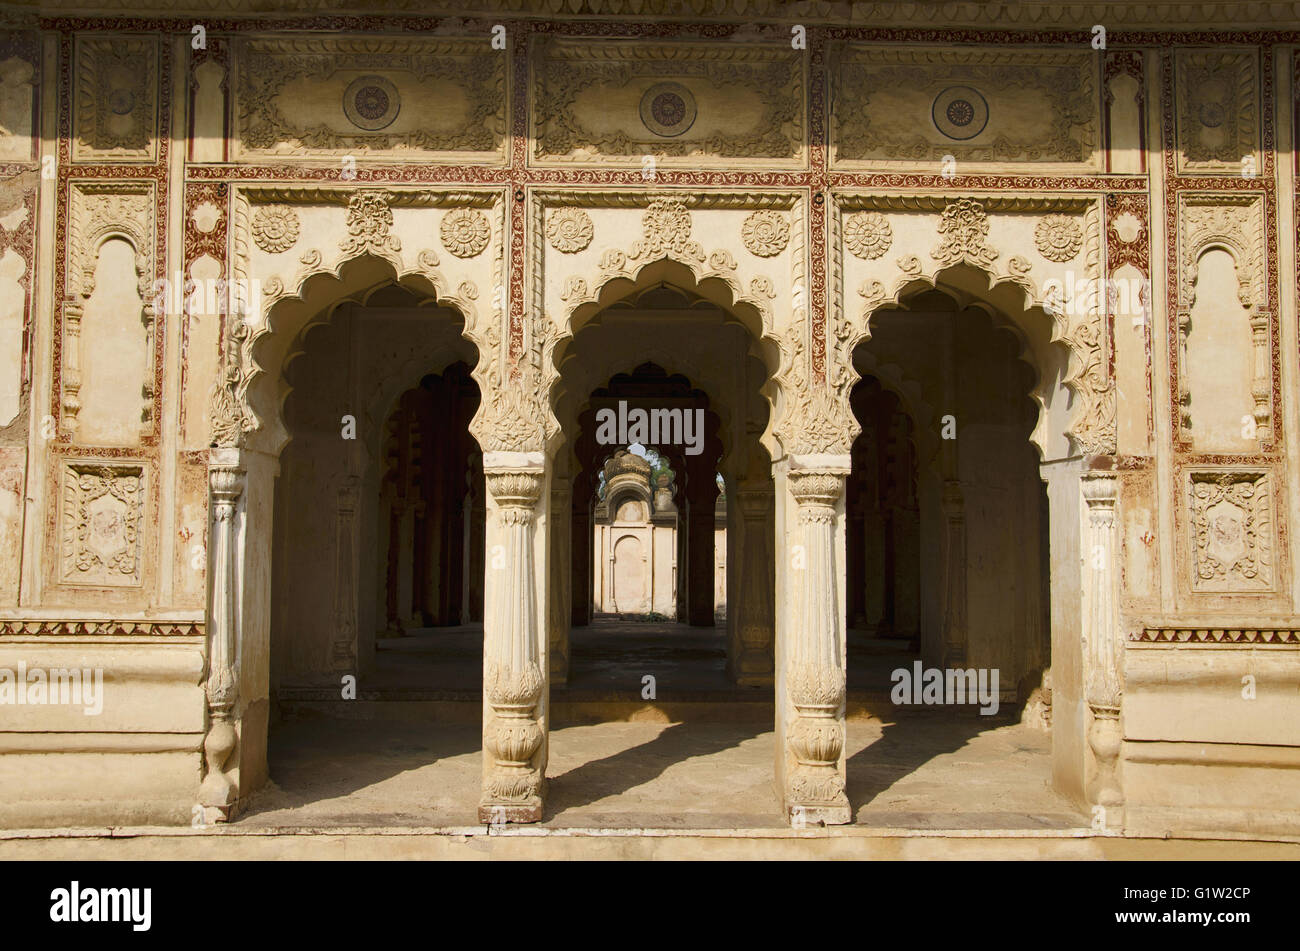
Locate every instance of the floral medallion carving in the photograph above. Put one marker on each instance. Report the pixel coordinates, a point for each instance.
(965, 229)
(275, 228)
(868, 235)
(569, 230)
(765, 233)
(371, 103)
(465, 232)
(667, 109)
(960, 112)
(1058, 238)
(369, 220)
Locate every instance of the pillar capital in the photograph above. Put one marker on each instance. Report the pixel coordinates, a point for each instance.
(226, 483)
(817, 487)
(515, 488)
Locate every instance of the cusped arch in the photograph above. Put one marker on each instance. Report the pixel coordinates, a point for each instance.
(712, 278)
(1068, 360)
(269, 345)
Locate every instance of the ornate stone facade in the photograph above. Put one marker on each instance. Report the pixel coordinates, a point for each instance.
(184, 230)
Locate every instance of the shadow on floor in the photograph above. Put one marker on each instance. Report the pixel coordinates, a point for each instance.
(312, 759)
(629, 768)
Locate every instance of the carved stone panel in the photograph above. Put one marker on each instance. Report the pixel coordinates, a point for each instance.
(918, 107)
(116, 96)
(1231, 531)
(1218, 111)
(101, 521)
(681, 104)
(387, 97)
(19, 62)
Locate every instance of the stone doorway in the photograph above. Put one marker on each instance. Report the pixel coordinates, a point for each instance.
(379, 505)
(948, 554)
(702, 624)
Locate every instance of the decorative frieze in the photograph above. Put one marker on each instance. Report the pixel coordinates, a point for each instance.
(1226, 636)
(83, 627)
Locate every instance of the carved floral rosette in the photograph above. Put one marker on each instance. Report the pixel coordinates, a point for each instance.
(765, 233)
(569, 230)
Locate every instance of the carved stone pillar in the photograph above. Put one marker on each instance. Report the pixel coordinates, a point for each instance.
(1262, 384)
(219, 792)
(1103, 650)
(513, 673)
(702, 500)
(392, 571)
(344, 653)
(954, 614)
(72, 312)
(815, 683)
(752, 605)
(581, 563)
(1184, 386)
(560, 605)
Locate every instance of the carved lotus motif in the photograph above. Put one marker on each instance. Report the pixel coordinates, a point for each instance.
(1059, 238)
(369, 220)
(569, 230)
(868, 236)
(275, 228)
(465, 232)
(965, 228)
(765, 233)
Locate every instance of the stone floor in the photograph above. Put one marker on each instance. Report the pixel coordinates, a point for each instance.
(609, 655)
(922, 771)
(407, 753)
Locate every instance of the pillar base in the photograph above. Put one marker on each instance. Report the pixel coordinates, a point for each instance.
(498, 813)
(800, 814)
